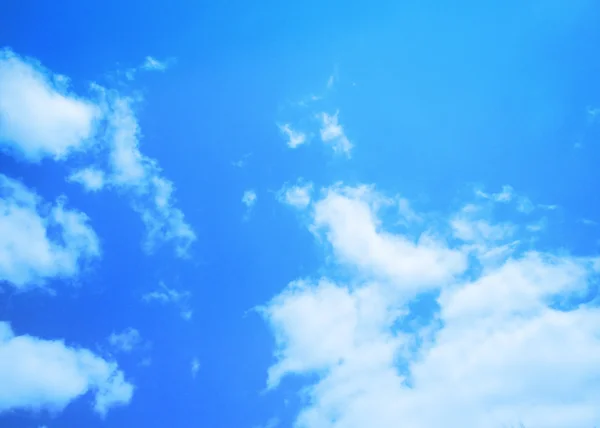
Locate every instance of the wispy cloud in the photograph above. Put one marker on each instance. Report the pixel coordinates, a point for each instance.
(333, 133)
(294, 138)
(166, 295)
(195, 367)
(150, 64)
(126, 341)
(153, 64)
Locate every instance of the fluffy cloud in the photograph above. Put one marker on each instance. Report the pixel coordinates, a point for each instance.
(297, 196)
(295, 138)
(510, 342)
(39, 117)
(40, 241)
(92, 179)
(46, 374)
(333, 133)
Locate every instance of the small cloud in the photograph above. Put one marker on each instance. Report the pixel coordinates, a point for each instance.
(295, 138)
(588, 222)
(297, 196)
(333, 133)
(547, 207)
(249, 198)
(195, 367)
(152, 64)
(90, 178)
(126, 341)
(166, 295)
(146, 362)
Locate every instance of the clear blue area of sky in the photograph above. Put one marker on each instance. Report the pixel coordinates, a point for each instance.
(435, 95)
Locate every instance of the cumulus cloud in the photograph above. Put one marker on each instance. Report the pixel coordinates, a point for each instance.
(39, 117)
(41, 374)
(507, 342)
(92, 179)
(126, 341)
(333, 133)
(165, 295)
(298, 196)
(40, 241)
(294, 138)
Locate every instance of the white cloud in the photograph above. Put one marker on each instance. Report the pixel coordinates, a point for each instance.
(298, 196)
(46, 374)
(92, 179)
(150, 64)
(249, 198)
(508, 345)
(166, 295)
(347, 218)
(39, 117)
(195, 366)
(130, 170)
(333, 133)
(40, 241)
(126, 341)
(295, 138)
(153, 64)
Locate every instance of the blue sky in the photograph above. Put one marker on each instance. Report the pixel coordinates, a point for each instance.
(312, 215)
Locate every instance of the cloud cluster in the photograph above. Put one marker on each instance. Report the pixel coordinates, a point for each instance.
(40, 117)
(39, 374)
(40, 241)
(459, 327)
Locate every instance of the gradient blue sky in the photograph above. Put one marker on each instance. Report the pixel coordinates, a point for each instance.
(312, 214)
